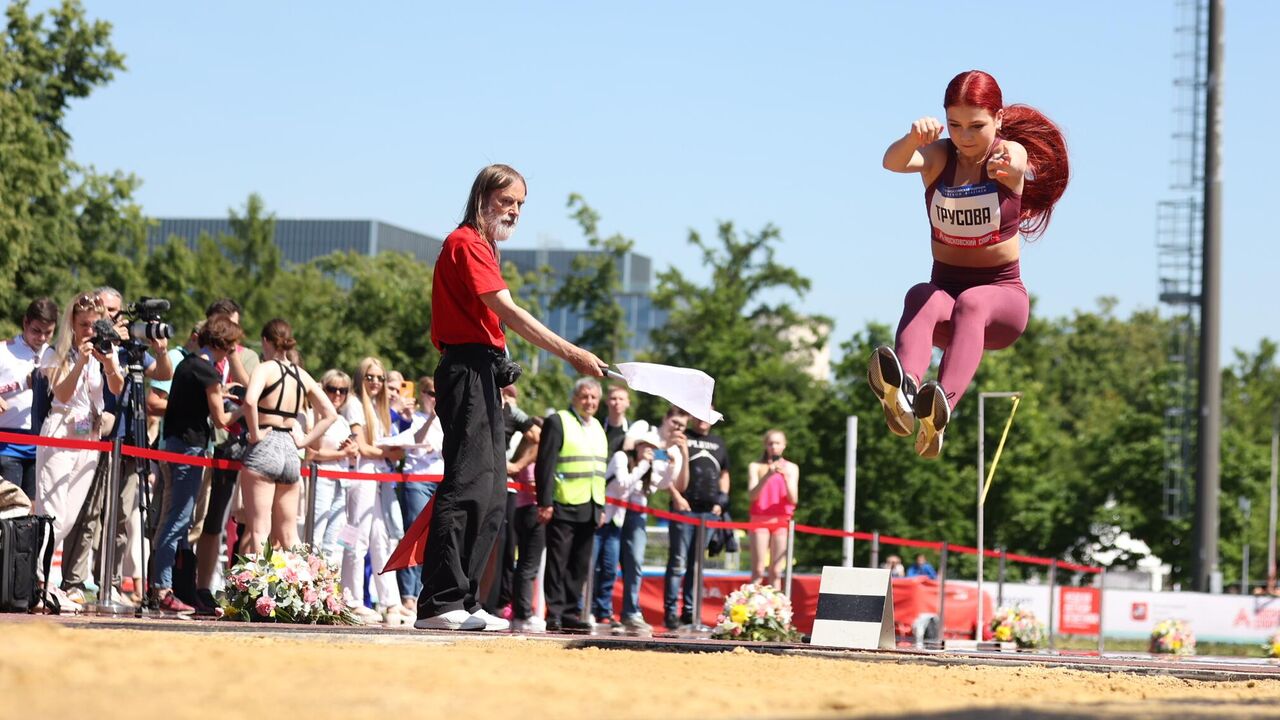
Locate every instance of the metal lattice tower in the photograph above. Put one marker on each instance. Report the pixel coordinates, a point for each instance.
(1179, 229)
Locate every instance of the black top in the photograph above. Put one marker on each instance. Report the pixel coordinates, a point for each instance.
(545, 472)
(616, 434)
(187, 415)
(286, 371)
(708, 457)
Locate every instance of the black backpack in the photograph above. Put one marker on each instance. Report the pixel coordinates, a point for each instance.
(21, 541)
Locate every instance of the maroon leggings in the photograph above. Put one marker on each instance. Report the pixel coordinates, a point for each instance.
(963, 311)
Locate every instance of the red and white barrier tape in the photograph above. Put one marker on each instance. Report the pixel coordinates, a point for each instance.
(220, 464)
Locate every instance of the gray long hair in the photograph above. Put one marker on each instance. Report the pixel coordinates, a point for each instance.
(493, 177)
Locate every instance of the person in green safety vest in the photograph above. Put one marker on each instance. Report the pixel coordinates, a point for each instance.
(570, 471)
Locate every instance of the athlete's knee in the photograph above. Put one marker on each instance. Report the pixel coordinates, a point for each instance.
(918, 295)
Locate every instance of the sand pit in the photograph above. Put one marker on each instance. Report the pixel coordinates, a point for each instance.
(56, 670)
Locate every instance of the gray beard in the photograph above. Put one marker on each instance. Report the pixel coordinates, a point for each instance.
(498, 230)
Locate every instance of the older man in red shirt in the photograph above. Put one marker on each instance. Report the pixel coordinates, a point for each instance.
(470, 303)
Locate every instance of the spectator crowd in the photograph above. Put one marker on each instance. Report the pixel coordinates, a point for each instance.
(208, 395)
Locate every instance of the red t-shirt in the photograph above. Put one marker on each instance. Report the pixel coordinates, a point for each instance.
(466, 269)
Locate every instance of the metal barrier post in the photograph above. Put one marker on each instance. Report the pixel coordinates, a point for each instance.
(875, 548)
(1102, 583)
(1000, 580)
(1053, 581)
(699, 555)
(309, 525)
(791, 548)
(588, 592)
(107, 546)
(942, 593)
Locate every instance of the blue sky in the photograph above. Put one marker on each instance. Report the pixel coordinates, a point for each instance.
(668, 116)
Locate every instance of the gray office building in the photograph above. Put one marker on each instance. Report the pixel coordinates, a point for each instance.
(301, 241)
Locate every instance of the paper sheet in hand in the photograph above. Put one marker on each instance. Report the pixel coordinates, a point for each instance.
(405, 439)
(684, 387)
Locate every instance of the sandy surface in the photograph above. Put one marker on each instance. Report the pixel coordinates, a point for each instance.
(53, 671)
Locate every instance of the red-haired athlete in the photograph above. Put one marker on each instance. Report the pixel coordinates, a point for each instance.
(993, 181)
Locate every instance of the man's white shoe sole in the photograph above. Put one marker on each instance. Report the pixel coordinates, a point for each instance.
(440, 623)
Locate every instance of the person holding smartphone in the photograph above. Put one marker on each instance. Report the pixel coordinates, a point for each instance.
(335, 450)
(773, 485)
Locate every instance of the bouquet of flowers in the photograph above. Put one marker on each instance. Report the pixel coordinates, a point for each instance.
(758, 613)
(1273, 646)
(294, 586)
(1172, 637)
(1017, 625)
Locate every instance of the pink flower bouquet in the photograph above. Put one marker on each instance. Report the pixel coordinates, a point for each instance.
(758, 613)
(293, 586)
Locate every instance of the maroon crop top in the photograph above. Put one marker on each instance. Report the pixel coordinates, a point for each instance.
(971, 216)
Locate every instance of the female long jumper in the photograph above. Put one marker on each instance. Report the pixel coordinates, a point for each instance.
(991, 183)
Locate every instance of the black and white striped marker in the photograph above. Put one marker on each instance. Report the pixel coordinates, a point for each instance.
(855, 609)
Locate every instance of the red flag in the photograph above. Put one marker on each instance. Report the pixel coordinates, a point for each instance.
(414, 543)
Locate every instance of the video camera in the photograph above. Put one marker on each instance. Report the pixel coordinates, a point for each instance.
(145, 322)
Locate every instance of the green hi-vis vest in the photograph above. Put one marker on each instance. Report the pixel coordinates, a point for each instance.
(581, 467)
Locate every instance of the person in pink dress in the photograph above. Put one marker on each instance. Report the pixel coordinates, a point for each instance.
(773, 485)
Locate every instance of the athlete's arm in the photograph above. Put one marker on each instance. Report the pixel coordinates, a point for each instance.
(1008, 164)
(915, 151)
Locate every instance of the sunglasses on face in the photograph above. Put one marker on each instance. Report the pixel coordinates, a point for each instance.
(374, 378)
(337, 390)
(429, 393)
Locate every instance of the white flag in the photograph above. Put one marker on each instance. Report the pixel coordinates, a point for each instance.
(685, 388)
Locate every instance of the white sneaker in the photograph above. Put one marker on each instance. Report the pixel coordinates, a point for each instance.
(66, 604)
(635, 624)
(934, 411)
(531, 625)
(491, 621)
(366, 615)
(452, 620)
(894, 389)
(398, 615)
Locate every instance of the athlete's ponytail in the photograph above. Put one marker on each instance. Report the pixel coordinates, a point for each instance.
(1047, 168)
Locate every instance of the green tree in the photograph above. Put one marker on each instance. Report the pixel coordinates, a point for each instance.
(545, 383)
(63, 227)
(592, 284)
(757, 350)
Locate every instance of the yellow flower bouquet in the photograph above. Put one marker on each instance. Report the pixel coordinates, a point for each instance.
(1172, 637)
(1273, 646)
(1017, 625)
(759, 613)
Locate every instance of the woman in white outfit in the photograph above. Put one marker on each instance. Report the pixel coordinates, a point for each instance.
(368, 412)
(335, 450)
(77, 373)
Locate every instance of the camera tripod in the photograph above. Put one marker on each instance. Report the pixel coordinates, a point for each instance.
(133, 411)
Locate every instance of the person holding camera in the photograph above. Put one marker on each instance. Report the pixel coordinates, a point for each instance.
(85, 536)
(470, 304)
(196, 397)
(705, 495)
(80, 369)
(773, 485)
